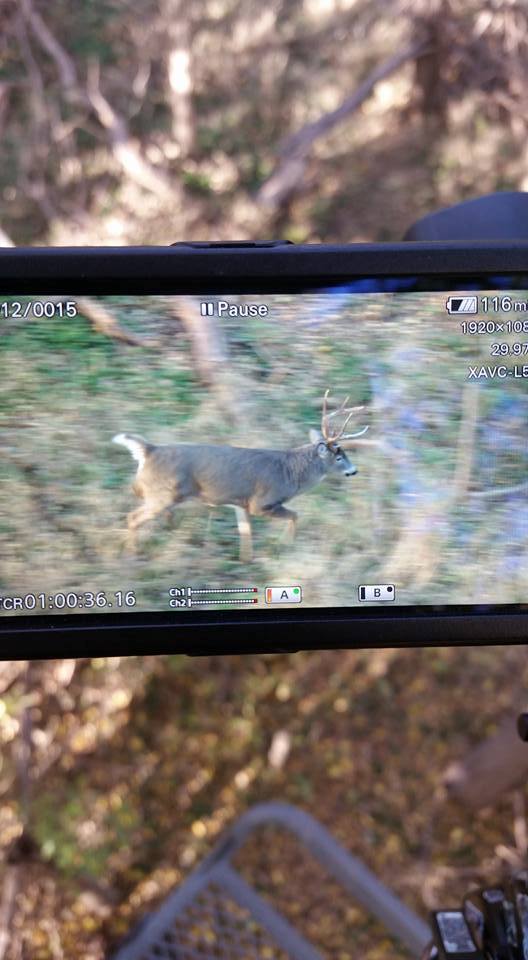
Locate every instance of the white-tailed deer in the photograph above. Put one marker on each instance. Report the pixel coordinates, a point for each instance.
(255, 482)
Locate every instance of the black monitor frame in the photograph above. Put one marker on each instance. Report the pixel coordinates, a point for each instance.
(257, 268)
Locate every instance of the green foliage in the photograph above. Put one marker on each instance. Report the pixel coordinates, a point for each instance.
(58, 836)
(196, 182)
(93, 34)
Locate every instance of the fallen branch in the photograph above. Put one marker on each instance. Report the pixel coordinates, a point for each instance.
(496, 492)
(104, 322)
(285, 178)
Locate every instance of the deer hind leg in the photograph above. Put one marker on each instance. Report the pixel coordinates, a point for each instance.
(244, 532)
(147, 511)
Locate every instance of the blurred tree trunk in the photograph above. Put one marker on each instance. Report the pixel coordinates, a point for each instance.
(176, 24)
(211, 359)
(208, 342)
(425, 528)
(434, 20)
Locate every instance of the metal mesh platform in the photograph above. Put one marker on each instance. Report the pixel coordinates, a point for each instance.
(215, 925)
(215, 914)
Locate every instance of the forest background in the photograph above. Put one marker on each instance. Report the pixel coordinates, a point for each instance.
(311, 120)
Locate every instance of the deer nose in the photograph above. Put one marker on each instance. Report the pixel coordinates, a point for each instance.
(350, 471)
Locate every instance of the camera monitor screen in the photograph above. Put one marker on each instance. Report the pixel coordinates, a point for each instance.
(250, 455)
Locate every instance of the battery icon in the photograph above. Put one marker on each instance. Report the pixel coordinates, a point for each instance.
(462, 305)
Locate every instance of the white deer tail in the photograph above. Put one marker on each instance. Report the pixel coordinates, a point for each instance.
(137, 446)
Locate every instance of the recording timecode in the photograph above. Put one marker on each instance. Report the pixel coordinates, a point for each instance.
(69, 601)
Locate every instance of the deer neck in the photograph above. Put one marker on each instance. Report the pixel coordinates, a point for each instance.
(305, 466)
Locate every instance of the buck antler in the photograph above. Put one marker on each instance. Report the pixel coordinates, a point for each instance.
(343, 409)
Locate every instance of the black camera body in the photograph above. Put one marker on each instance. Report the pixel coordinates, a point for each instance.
(421, 343)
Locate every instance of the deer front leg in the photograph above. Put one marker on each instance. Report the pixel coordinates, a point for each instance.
(244, 532)
(279, 512)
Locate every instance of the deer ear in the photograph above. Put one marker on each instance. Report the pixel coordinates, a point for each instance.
(316, 436)
(322, 450)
